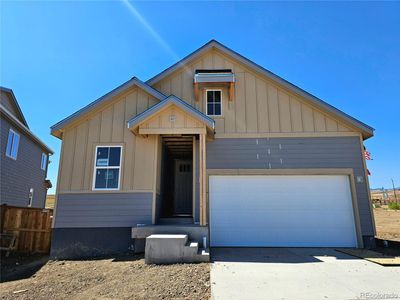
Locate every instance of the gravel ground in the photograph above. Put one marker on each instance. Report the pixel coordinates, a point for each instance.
(122, 278)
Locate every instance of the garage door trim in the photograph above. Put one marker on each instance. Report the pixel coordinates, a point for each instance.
(348, 172)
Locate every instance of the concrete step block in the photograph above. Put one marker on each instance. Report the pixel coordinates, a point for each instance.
(165, 248)
(194, 245)
(168, 239)
(191, 250)
(204, 252)
(201, 256)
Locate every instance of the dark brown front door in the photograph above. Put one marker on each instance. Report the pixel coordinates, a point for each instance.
(183, 186)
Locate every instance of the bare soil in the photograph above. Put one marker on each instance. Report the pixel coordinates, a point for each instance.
(387, 224)
(116, 278)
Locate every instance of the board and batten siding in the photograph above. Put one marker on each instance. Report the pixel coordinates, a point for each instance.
(107, 126)
(181, 120)
(103, 210)
(295, 153)
(260, 105)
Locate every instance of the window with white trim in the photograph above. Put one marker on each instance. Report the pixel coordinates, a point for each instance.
(214, 102)
(107, 168)
(30, 197)
(12, 144)
(43, 162)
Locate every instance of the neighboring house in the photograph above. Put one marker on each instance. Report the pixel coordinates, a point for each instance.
(217, 143)
(24, 157)
(50, 199)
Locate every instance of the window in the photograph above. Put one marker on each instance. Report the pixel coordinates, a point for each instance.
(184, 168)
(214, 107)
(30, 197)
(12, 144)
(43, 163)
(107, 168)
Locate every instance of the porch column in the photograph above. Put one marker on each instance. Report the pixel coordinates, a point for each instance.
(203, 179)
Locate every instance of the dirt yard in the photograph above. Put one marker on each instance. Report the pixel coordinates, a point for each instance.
(123, 278)
(387, 224)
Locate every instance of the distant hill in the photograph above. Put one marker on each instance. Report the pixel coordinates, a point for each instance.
(386, 189)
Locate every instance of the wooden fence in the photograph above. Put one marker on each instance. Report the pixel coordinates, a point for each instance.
(31, 226)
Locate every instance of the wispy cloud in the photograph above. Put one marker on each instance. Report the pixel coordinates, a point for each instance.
(149, 28)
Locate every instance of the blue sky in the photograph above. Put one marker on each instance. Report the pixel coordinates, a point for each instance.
(59, 56)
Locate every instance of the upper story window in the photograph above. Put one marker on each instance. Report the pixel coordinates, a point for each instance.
(43, 162)
(107, 168)
(214, 102)
(12, 144)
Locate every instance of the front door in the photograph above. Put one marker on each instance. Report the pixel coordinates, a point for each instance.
(183, 200)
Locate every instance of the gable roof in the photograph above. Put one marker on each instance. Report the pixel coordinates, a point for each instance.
(166, 102)
(15, 102)
(134, 81)
(367, 131)
(22, 126)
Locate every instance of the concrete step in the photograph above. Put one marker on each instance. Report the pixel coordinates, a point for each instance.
(176, 221)
(194, 231)
(168, 240)
(202, 255)
(191, 249)
(173, 248)
(141, 232)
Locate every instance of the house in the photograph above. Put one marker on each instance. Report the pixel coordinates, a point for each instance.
(24, 157)
(215, 146)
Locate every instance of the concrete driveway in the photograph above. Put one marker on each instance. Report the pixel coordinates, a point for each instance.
(299, 273)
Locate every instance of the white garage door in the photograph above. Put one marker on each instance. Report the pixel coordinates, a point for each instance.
(281, 211)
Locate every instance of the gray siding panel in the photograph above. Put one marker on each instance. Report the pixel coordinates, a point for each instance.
(18, 176)
(294, 153)
(103, 210)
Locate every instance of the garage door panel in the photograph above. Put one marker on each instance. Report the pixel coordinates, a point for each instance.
(277, 240)
(281, 211)
(287, 219)
(287, 225)
(273, 238)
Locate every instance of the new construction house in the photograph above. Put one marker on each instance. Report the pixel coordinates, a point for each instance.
(216, 148)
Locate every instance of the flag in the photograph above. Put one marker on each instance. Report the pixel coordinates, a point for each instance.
(367, 155)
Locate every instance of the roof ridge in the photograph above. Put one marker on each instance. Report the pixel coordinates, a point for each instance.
(290, 86)
(133, 81)
(14, 99)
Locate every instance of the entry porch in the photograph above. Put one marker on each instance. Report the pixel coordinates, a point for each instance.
(181, 133)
